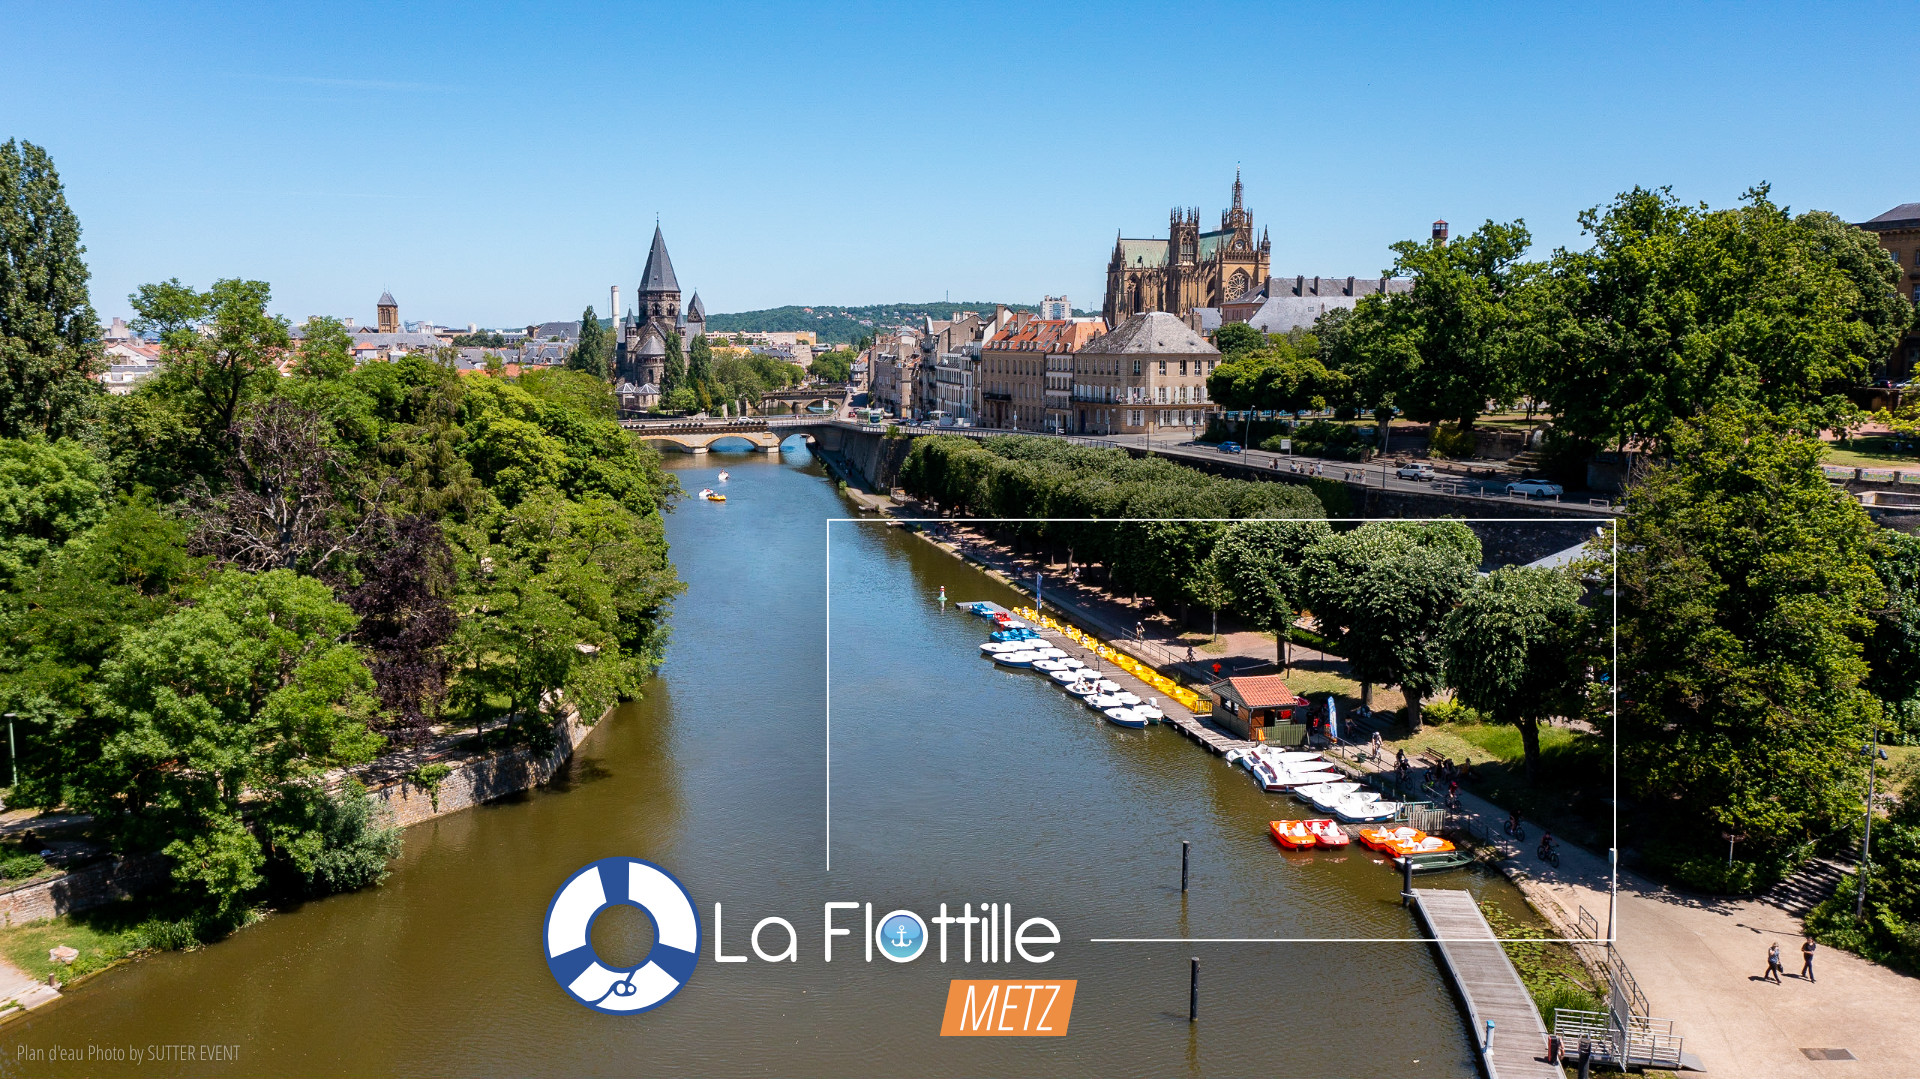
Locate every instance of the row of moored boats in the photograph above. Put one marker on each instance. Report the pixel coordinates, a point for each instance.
(1017, 644)
(1313, 779)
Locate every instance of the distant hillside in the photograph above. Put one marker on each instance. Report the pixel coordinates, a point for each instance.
(845, 324)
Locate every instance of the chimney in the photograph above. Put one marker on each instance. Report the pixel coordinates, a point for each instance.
(1349, 284)
(1440, 232)
(613, 310)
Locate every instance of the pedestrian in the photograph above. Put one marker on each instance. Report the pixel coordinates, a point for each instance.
(1773, 964)
(1139, 631)
(1373, 744)
(1806, 959)
(1189, 653)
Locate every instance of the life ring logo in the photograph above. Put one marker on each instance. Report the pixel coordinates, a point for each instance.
(676, 943)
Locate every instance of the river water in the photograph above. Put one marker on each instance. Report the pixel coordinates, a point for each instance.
(952, 781)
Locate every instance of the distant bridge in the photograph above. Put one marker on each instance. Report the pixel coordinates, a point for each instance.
(698, 436)
(831, 395)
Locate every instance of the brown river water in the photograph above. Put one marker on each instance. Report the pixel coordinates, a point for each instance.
(952, 782)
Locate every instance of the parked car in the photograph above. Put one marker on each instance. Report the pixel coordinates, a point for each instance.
(1230, 447)
(1414, 472)
(1532, 487)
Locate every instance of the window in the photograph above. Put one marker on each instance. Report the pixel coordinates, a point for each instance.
(1183, 367)
(1163, 367)
(1160, 396)
(1136, 367)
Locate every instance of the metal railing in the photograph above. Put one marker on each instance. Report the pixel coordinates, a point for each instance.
(1639, 1040)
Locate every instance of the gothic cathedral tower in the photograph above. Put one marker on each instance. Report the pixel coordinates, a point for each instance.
(643, 345)
(1189, 268)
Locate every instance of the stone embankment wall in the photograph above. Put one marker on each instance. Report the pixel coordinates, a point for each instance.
(102, 882)
(482, 779)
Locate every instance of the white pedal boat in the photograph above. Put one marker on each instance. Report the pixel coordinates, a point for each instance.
(1363, 806)
(1016, 659)
(1324, 796)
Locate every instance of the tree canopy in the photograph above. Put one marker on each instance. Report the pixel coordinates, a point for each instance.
(49, 334)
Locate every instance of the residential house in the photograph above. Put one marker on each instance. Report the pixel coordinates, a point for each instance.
(1026, 372)
(1899, 233)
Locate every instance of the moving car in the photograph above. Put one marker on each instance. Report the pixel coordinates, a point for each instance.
(1414, 472)
(1532, 487)
(1230, 447)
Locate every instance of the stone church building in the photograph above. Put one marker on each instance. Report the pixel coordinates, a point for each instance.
(1190, 268)
(642, 358)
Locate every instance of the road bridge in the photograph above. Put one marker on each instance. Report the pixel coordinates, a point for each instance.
(698, 436)
(831, 395)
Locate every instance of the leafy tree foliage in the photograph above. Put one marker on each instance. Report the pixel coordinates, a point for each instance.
(835, 366)
(1747, 588)
(249, 689)
(48, 331)
(326, 349)
(1279, 374)
(49, 493)
(1517, 650)
(219, 349)
(1260, 564)
(1383, 593)
(593, 354)
(1675, 309)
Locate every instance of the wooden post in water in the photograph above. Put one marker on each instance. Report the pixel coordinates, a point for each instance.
(1193, 991)
(1186, 849)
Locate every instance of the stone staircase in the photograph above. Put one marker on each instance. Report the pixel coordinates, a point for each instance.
(1813, 882)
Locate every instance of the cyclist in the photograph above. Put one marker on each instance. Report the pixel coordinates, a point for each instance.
(1546, 851)
(1513, 823)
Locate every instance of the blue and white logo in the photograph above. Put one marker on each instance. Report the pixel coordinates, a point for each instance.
(676, 938)
(902, 936)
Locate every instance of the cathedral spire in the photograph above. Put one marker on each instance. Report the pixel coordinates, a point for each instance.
(1236, 189)
(658, 276)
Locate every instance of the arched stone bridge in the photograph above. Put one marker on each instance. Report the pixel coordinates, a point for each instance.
(698, 436)
(830, 395)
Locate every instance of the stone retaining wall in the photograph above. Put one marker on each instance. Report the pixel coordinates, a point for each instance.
(102, 882)
(483, 779)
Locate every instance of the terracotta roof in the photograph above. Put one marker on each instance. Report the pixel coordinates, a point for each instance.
(1046, 335)
(1259, 690)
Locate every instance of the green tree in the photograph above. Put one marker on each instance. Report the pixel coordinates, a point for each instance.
(673, 374)
(1675, 309)
(1516, 650)
(835, 366)
(593, 355)
(247, 691)
(1237, 337)
(1383, 593)
(1463, 336)
(326, 350)
(49, 492)
(1893, 650)
(1747, 586)
(49, 335)
(1260, 562)
(1276, 377)
(700, 373)
(220, 348)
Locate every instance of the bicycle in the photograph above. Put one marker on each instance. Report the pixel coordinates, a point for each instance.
(1549, 854)
(1515, 829)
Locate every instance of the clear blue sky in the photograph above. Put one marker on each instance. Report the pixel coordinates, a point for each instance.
(503, 164)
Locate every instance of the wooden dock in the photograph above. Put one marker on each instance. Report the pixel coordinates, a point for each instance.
(1488, 986)
(1213, 738)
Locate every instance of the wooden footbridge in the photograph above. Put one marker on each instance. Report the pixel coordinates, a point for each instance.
(1515, 1047)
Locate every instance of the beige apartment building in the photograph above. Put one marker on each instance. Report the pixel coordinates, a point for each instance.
(1025, 372)
(1147, 376)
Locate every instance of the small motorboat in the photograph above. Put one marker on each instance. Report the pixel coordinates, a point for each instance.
(1081, 689)
(1015, 659)
(1291, 834)
(1107, 685)
(1051, 666)
(1051, 653)
(996, 647)
(1072, 664)
(723, 477)
(1434, 860)
(1123, 717)
(1100, 702)
(1263, 772)
(1328, 834)
(1064, 678)
(1128, 699)
(1151, 714)
(712, 495)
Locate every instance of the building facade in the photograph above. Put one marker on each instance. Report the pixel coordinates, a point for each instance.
(1285, 303)
(1026, 372)
(1189, 268)
(1899, 233)
(1147, 376)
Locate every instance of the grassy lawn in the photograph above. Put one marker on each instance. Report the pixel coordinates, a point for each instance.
(1573, 774)
(103, 936)
(1871, 451)
(1346, 691)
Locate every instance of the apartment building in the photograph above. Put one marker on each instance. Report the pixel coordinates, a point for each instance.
(1149, 375)
(1026, 371)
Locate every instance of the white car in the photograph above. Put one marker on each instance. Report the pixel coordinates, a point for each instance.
(1529, 488)
(1414, 472)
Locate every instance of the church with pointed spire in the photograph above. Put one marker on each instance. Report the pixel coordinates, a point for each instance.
(1189, 268)
(657, 313)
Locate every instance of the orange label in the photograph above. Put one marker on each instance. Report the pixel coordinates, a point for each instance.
(1008, 1009)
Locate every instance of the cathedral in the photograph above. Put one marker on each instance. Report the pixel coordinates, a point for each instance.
(1189, 268)
(642, 355)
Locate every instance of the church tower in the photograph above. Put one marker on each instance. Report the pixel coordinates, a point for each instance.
(388, 313)
(643, 347)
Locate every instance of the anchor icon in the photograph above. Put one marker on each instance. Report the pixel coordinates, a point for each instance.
(900, 936)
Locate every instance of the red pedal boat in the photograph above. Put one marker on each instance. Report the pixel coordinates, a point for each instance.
(1327, 834)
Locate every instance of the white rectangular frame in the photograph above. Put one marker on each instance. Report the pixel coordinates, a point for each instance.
(1612, 523)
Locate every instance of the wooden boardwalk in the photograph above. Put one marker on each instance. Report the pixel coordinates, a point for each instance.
(1488, 986)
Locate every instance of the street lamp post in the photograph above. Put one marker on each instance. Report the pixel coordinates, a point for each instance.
(13, 755)
(1874, 755)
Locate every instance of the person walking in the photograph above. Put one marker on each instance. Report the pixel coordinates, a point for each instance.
(1773, 964)
(1806, 959)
